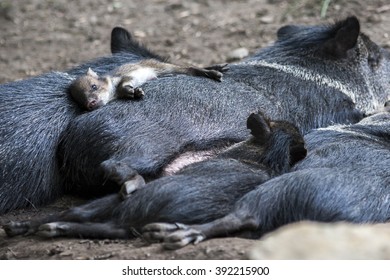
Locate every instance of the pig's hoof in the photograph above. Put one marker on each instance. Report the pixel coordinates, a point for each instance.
(117, 171)
(181, 238)
(173, 236)
(127, 92)
(131, 186)
(219, 67)
(214, 74)
(138, 93)
(53, 229)
(16, 228)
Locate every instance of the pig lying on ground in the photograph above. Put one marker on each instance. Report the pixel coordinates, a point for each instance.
(345, 177)
(200, 192)
(313, 76)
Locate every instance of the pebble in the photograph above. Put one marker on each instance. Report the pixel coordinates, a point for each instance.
(267, 19)
(238, 54)
(321, 241)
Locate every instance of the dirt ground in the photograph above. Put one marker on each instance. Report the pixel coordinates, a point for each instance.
(37, 36)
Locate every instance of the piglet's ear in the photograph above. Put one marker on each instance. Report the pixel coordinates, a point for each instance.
(344, 37)
(259, 126)
(92, 73)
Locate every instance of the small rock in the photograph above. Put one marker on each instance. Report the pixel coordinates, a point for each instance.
(82, 258)
(184, 14)
(383, 9)
(103, 256)
(66, 254)
(7, 11)
(238, 54)
(174, 6)
(55, 251)
(267, 19)
(9, 255)
(139, 34)
(375, 18)
(321, 241)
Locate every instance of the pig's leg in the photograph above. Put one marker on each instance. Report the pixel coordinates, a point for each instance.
(178, 235)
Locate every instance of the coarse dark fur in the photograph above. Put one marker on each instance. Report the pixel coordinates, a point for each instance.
(345, 177)
(181, 114)
(211, 116)
(200, 192)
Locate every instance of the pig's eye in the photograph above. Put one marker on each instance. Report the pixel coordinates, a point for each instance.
(94, 87)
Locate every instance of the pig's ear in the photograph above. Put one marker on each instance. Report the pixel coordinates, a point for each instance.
(297, 153)
(287, 31)
(344, 37)
(123, 41)
(92, 73)
(259, 126)
(120, 40)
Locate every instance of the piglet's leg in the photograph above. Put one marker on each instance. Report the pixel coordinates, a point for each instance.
(126, 89)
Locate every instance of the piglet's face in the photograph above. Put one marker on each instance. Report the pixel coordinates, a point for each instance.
(90, 91)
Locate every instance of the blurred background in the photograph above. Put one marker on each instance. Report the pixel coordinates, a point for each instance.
(41, 35)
